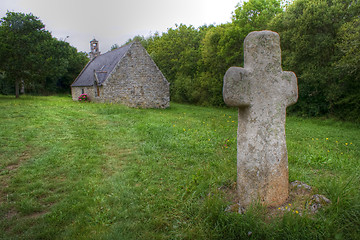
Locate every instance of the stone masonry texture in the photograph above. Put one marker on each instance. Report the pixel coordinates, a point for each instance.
(135, 81)
(261, 91)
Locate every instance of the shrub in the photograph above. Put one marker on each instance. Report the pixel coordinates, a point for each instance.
(84, 98)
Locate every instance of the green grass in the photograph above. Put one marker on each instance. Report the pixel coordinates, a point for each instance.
(99, 171)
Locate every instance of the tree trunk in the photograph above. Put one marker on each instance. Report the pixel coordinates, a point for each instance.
(17, 87)
(22, 88)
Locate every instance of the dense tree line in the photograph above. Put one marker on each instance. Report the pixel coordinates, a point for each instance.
(32, 60)
(320, 42)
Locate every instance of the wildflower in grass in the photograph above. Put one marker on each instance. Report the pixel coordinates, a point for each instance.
(327, 139)
(226, 145)
(346, 144)
(297, 212)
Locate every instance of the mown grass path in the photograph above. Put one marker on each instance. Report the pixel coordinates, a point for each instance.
(100, 171)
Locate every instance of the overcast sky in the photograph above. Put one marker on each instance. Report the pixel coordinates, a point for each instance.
(111, 21)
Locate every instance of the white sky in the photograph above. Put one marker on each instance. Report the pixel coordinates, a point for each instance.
(111, 21)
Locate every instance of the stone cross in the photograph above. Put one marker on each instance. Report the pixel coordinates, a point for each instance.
(261, 91)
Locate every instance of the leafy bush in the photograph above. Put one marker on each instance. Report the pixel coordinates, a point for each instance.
(84, 98)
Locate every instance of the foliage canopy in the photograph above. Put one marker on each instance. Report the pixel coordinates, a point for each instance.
(319, 41)
(31, 57)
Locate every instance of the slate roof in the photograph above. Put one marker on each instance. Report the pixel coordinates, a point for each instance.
(102, 66)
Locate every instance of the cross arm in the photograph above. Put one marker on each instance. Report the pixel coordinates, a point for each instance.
(236, 89)
(291, 87)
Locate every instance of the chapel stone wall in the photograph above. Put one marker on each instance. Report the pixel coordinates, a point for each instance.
(137, 82)
(77, 91)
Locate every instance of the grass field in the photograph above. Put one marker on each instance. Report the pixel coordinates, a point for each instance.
(72, 170)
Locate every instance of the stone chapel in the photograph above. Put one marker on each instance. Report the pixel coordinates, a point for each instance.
(126, 75)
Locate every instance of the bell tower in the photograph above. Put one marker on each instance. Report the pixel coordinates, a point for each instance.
(94, 47)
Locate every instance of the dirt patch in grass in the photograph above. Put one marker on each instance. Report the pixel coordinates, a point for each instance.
(302, 200)
(24, 156)
(8, 171)
(120, 153)
(116, 158)
(37, 214)
(10, 214)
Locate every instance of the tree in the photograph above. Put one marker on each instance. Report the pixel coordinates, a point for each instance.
(20, 36)
(309, 32)
(221, 48)
(32, 57)
(256, 14)
(76, 62)
(346, 95)
(57, 65)
(114, 47)
(177, 54)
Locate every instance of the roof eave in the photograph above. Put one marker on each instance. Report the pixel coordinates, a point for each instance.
(82, 72)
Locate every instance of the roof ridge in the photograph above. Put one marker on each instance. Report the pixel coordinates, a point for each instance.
(103, 64)
(119, 60)
(117, 49)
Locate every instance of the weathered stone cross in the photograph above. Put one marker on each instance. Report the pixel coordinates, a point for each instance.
(261, 91)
